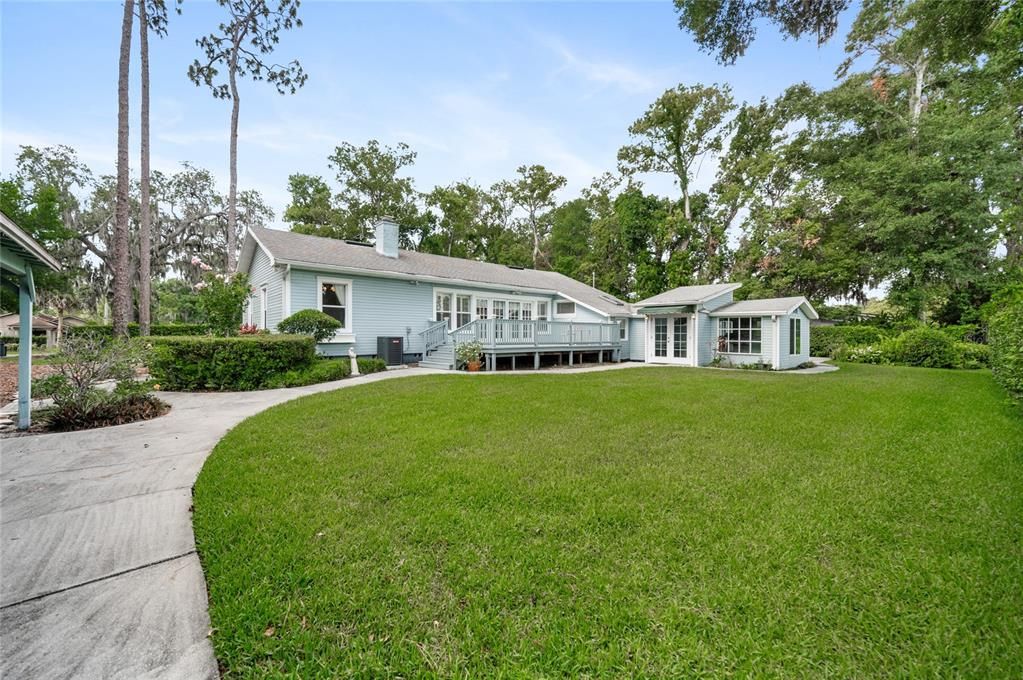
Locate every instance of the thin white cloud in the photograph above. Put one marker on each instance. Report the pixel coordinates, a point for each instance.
(602, 72)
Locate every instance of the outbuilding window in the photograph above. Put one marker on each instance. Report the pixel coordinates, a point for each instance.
(740, 335)
(795, 336)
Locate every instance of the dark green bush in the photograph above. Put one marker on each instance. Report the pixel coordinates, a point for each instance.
(1005, 337)
(826, 341)
(927, 347)
(372, 365)
(972, 355)
(321, 370)
(156, 330)
(245, 362)
(310, 322)
(967, 332)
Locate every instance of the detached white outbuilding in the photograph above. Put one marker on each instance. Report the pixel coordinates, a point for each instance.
(694, 325)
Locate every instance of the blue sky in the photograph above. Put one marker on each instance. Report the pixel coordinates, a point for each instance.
(477, 89)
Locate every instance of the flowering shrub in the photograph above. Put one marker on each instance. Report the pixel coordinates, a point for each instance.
(221, 299)
(468, 352)
(866, 354)
(248, 329)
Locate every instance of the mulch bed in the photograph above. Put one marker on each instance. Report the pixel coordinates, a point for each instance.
(9, 379)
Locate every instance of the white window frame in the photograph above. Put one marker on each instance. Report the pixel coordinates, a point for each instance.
(760, 327)
(347, 283)
(623, 330)
(557, 305)
(795, 336)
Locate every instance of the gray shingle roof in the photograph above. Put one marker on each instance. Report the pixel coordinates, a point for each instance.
(766, 306)
(311, 251)
(688, 295)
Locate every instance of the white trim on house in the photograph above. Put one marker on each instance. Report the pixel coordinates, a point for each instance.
(583, 304)
(346, 333)
(286, 308)
(692, 346)
(476, 296)
(264, 302)
(776, 354)
(739, 309)
(436, 280)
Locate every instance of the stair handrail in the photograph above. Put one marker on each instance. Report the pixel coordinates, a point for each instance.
(435, 334)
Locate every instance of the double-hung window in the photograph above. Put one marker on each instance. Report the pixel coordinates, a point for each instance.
(623, 329)
(795, 336)
(335, 299)
(740, 335)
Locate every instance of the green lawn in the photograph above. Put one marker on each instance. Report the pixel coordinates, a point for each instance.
(646, 523)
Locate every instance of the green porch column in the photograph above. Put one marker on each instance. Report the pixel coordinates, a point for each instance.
(26, 293)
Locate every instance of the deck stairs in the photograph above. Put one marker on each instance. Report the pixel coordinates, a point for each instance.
(441, 357)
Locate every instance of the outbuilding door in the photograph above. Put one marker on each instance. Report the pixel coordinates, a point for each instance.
(669, 339)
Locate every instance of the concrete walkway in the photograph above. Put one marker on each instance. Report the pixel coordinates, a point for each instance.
(99, 577)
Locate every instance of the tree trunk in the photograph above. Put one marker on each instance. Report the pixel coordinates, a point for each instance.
(232, 192)
(122, 277)
(916, 98)
(145, 225)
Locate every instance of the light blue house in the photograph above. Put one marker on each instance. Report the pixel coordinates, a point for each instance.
(20, 255)
(429, 303)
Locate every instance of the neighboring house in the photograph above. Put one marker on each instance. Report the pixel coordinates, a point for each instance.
(385, 297)
(42, 324)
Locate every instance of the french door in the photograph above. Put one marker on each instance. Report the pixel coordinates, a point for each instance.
(668, 340)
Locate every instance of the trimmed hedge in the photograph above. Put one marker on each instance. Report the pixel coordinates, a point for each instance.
(310, 322)
(1005, 335)
(325, 370)
(827, 341)
(245, 362)
(156, 330)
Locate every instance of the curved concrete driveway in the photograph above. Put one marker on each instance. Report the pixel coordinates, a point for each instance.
(98, 572)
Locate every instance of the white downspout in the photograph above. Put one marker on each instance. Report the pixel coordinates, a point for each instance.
(777, 343)
(287, 291)
(696, 336)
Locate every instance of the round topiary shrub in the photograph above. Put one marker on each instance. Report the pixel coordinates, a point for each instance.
(927, 347)
(310, 322)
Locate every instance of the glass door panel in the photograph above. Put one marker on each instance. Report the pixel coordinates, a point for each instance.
(680, 337)
(660, 336)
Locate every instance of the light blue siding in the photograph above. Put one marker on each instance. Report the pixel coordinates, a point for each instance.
(636, 349)
(262, 273)
(380, 307)
(582, 314)
(716, 302)
(706, 338)
(793, 360)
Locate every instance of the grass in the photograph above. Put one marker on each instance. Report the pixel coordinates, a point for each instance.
(641, 523)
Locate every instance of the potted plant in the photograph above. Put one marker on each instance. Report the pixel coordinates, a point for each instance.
(468, 353)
